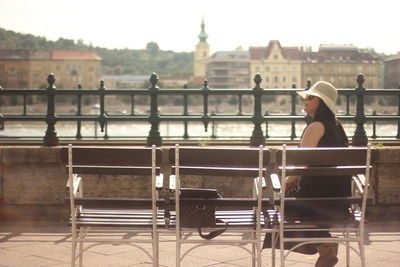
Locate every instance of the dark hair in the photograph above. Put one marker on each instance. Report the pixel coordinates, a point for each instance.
(324, 114)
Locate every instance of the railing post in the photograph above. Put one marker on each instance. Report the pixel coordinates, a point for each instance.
(266, 125)
(293, 113)
(25, 103)
(154, 137)
(374, 126)
(213, 127)
(79, 113)
(185, 113)
(257, 137)
(308, 118)
(360, 137)
(347, 105)
(50, 139)
(240, 105)
(102, 116)
(205, 118)
(308, 84)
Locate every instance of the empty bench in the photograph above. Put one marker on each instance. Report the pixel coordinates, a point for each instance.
(99, 219)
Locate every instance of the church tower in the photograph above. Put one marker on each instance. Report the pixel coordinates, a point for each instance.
(201, 54)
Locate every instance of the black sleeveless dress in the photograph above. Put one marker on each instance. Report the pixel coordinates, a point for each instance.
(315, 186)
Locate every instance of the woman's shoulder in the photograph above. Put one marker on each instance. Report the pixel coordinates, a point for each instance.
(312, 134)
(316, 126)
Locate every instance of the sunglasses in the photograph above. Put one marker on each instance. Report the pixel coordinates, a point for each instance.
(310, 97)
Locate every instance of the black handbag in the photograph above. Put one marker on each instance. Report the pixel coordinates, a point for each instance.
(198, 214)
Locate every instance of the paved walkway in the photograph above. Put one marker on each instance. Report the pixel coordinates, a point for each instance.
(48, 244)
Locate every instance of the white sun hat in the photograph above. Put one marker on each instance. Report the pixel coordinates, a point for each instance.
(325, 91)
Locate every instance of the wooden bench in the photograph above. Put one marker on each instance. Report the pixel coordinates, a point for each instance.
(353, 161)
(243, 216)
(98, 219)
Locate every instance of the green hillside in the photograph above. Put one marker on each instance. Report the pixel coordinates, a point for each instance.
(115, 61)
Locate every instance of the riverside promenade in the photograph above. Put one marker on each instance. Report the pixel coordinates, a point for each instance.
(31, 244)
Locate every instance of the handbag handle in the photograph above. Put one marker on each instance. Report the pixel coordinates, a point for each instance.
(215, 233)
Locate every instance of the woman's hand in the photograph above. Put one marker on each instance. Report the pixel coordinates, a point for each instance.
(291, 184)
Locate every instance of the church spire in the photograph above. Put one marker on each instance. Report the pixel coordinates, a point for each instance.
(203, 35)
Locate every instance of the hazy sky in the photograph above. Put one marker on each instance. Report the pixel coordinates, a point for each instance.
(175, 24)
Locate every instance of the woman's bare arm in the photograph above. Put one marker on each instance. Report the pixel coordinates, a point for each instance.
(311, 137)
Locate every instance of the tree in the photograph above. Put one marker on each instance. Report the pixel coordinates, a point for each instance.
(152, 48)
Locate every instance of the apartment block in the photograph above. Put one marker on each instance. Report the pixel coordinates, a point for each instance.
(340, 65)
(392, 71)
(280, 67)
(229, 69)
(21, 68)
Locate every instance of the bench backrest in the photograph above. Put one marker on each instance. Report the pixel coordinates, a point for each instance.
(112, 160)
(323, 161)
(218, 161)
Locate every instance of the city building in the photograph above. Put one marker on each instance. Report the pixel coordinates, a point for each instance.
(340, 65)
(20, 68)
(201, 55)
(229, 69)
(392, 71)
(14, 68)
(124, 81)
(280, 67)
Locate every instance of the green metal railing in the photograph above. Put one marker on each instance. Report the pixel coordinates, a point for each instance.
(154, 117)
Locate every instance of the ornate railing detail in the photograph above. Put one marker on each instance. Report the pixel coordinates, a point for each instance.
(154, 117)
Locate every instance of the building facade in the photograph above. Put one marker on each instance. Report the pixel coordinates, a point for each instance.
(201, 55)
(340, 65)
(229, 69)
(29, 68)
(280, 67)
(392, 71)
(14, 68)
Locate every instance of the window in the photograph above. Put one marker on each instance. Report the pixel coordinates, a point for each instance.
(283, 79)
(12, 70)
(294, 79)
(275, 56)
(276, 79)
(266, 68)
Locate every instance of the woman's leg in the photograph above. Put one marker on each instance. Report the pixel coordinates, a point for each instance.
(327, 255)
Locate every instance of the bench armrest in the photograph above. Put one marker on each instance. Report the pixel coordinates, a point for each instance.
(172, 179)
(160, 181)
(359, 181)
(276, 183)
(76, 182)
(255, 184)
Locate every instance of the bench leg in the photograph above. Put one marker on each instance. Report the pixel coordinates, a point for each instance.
(253, 250)
(362, 251)
(178, 250)
(347, 234)
(273, 243)
(73, 247)
(80, 253)
(155, 250)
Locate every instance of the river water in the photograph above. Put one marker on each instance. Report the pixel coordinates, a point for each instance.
(139, 130)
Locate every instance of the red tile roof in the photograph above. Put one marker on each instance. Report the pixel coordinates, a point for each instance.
(393, 57)
(259, 53)
(74, 55)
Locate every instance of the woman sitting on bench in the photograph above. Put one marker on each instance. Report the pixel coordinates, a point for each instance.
(323, 131)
